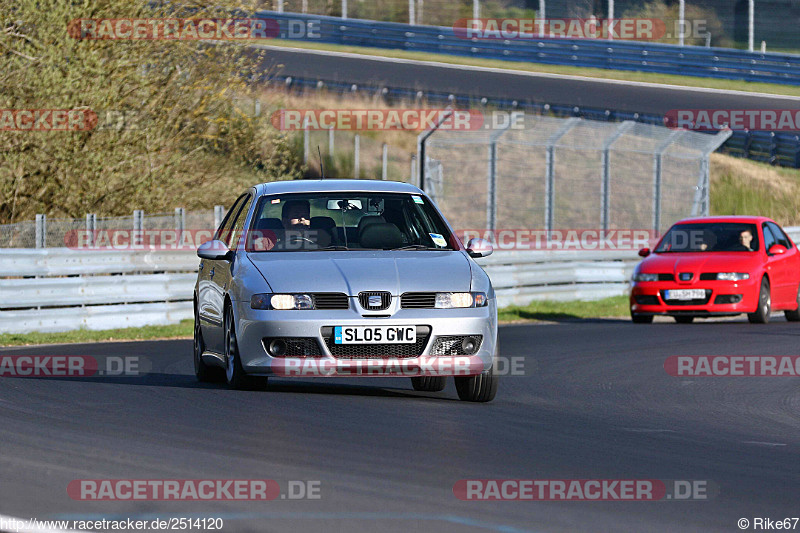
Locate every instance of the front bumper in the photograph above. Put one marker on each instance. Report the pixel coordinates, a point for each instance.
(253, 326)
(647, 298)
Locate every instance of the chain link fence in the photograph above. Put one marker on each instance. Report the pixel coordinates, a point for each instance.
(573, 173)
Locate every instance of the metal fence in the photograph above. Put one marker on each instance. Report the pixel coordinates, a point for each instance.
(568, 173)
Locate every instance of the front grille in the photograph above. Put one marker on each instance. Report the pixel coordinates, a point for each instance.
(699, 301)
(451, 345)
(330, 300)
(377, 351)
(666, 277)
(296, 346)
(385, 300)
(646, 299)
(708, 276)
(418, 300)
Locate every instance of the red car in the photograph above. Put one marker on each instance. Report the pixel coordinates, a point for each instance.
(718, 266)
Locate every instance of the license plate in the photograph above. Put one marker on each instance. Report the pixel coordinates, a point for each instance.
(375, 334)
(685, 294)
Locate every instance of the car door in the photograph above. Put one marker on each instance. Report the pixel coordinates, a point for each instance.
(785, 267)
(209, 299)
(221, 275)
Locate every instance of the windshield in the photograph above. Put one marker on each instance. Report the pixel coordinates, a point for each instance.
(347, 221)
(710, 237)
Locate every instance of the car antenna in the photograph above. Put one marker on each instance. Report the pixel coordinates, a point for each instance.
(321, 166)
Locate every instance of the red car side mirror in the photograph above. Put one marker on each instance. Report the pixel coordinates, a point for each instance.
(776, 249)
(644, 252)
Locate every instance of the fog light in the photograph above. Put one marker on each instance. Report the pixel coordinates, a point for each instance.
(277, 348)
(469, 345)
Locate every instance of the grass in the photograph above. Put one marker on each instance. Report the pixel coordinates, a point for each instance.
(615, 306)
(624, 75)
(174, 331)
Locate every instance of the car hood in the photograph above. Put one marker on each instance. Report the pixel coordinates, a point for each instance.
(356, 271)
(698, 262)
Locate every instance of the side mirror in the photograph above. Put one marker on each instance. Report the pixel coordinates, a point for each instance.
(644, 252)
(776, 249)
(214, 250)
(479, 248)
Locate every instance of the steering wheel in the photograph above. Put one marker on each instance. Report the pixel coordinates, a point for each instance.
(297, 238)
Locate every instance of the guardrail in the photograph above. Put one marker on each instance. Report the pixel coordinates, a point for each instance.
(699, 61)
(58, 289)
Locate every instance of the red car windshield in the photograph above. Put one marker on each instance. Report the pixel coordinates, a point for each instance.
(710, 237)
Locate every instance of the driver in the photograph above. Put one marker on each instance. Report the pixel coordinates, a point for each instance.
(745, 239)
(296, 215)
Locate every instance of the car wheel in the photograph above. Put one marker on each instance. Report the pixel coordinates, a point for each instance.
(761, 316)
(641, 319)
(429, 383)
(203, 372)
(794, 316)
(234, 373)
(682, 319)
(480, 388)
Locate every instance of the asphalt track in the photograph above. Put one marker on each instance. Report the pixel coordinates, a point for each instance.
(497, 83)
(595, 403)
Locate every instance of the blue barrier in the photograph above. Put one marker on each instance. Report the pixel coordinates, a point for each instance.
(776, 148)
(724, 63)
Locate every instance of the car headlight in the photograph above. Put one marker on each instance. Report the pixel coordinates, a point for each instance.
(641, 276)
(281, 301)
(733, 276)
(452, 300)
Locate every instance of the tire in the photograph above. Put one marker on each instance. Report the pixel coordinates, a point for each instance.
(429, 383)
(794, 316)
(641, 319)
(683, 319)
(235, 375)
(480, 388)
(761, 315)
(204, 373)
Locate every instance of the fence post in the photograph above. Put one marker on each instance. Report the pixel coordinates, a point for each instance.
(384, 161)
(476, 9)
(344, 9)
(306, 142)
(356, 156)
(330, 143)
(41, 231)
(411, 15)
(610, 19)
(657, 178)
(219, 214)
(138, 226)
(91, 228)
(180, 225)
(491, 189)
(540, 16)
(414, 170)
(550, 163)
(280, 6)
(605, 184)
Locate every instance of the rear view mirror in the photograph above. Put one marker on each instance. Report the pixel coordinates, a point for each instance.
(644, 252)
(215, 251)
(338, 205)
(776, 249)
(479, 248)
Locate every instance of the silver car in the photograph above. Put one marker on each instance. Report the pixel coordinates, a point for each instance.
(344, 278)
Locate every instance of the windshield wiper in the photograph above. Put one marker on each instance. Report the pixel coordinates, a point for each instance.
(335, 248)
(415, 247)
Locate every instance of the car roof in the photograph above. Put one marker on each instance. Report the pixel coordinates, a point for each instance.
(728, 218)
(335, 185)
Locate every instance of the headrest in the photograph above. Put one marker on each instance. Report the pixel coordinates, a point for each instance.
(381, 235)
(367, 220)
